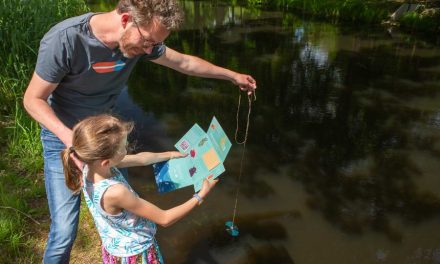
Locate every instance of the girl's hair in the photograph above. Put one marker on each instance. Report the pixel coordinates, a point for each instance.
(94, 138)
(167, 12)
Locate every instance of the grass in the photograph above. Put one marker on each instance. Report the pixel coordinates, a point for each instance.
(22, 196)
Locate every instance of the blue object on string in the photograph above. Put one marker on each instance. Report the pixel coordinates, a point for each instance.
(231, 229)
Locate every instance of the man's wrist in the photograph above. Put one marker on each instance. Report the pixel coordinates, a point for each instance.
(233, 77)
(66, 136)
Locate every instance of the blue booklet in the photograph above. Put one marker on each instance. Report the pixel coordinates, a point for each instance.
(206, 153)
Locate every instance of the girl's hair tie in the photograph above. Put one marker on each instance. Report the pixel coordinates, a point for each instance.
(71, 150)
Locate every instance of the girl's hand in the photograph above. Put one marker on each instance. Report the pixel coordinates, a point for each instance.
(176, 154)
(206, 187)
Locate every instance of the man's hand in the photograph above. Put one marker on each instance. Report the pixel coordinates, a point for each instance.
(78, 163)
(245, 82)
(66, 138)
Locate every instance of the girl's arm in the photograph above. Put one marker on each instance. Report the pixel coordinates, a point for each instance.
(118, 196)
(147, 158)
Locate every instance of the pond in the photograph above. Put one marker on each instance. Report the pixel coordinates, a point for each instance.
(342, 159)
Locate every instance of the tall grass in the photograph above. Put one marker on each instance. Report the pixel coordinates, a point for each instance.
(22, 25)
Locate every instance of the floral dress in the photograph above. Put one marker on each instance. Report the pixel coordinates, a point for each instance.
(126, 237)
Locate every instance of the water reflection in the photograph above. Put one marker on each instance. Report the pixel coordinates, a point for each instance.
(343, 149)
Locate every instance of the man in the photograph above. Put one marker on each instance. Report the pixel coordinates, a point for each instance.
(83, 64)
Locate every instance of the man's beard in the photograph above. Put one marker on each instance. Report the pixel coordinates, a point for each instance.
(129, 51)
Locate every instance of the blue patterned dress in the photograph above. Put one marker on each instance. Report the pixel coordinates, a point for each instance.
(124, 234)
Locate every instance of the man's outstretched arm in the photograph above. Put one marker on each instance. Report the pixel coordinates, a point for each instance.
(195, 66)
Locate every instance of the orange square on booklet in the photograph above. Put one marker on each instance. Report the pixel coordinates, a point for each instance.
(211, 159)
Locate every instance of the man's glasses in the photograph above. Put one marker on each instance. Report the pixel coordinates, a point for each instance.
(145, 42)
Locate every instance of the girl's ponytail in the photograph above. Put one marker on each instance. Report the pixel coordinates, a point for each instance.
(94, 138)
(72, 174)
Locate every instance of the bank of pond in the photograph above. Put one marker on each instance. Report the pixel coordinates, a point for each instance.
(423, 20)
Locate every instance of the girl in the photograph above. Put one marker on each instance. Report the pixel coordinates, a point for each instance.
(125, 222)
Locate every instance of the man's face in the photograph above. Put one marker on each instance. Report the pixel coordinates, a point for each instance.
(138, 40)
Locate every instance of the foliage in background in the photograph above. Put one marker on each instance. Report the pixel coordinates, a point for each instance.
(22, 25)
(424, 21)
(366, 11)
(358, 12)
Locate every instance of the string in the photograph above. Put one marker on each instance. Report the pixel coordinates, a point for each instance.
(244, 147)
(248, 115)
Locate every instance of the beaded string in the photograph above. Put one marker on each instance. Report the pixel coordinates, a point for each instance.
(244, 147)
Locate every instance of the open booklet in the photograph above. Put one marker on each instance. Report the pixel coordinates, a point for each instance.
(206, 153)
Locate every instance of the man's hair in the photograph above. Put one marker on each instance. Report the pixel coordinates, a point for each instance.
(167, 12)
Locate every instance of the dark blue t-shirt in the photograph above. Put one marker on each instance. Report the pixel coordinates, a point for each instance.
(90, 75)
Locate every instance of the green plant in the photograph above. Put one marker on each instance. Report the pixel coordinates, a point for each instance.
(426, 22)
(22, 25)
